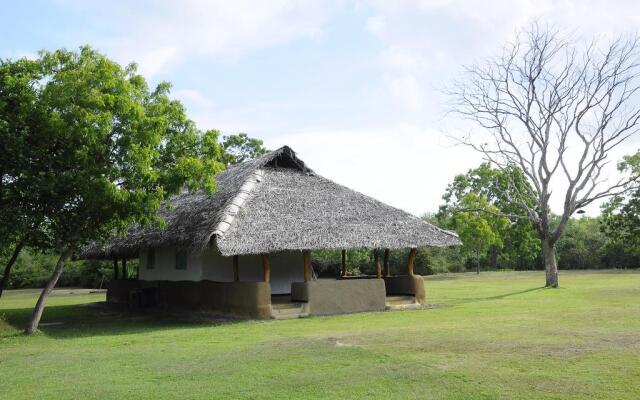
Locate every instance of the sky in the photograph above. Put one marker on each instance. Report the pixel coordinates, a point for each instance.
(356, 88)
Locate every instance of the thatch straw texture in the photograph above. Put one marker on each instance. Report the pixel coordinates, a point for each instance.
(276, 203)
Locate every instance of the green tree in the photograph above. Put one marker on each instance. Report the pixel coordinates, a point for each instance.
(239, 148)
(478, 230)
(98, 149)
(583, 244)
(21, 214)
(621, 219)
(520, 244)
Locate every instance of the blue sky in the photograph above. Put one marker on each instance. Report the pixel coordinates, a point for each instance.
(355, 87)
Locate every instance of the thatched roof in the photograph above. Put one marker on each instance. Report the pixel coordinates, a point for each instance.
(277, 203)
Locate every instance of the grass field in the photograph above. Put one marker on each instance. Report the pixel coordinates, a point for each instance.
(497, 335)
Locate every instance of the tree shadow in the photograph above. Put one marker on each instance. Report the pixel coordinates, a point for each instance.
(497, 297)
(443, 277)
(101, 319)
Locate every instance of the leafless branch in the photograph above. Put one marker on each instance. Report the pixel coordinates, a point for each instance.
(494, 213)
(544, 96)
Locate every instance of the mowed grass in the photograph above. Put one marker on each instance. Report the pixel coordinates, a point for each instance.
(498, 335)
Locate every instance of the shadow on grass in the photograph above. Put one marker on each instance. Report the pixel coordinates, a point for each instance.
(100, 319)
(466, 300)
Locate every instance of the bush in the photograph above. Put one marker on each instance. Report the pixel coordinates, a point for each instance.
(33, 269)
(429, 260)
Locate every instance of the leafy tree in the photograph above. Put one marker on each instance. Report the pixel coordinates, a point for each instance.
(240, 148)
(583, 244)
(21, 214)
(96, 149)
(621, 218)
(478, 231)
(519, 243)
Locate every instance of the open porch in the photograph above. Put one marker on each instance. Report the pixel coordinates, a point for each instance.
(254, 299)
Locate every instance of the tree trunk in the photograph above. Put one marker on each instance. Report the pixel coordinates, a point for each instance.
(550, 263)
(9, 265)
(32, 326)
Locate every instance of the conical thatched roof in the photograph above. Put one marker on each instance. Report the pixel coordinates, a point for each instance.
(277, 203)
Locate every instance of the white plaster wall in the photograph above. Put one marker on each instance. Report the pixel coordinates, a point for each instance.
(215, 267)
(286, 267)
(165, 266)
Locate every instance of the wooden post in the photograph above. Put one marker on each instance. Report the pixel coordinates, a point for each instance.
(386, 263)
(376, 255)
(412, 257)
(115, 268)
(236, 269)
(266, 268)
(343, 273)
(125, 273)
(307, 264)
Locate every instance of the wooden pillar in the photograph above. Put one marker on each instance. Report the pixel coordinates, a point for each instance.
(386, 263)
(115, 268)
(307, 264)
(412, 257)
(236, 269)
(125, 273)
(266, 268)
(344, 263)
(376, 255)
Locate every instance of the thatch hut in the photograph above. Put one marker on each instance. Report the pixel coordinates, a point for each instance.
(245, 250)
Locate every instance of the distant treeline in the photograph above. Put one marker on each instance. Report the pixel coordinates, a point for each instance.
(584, 246)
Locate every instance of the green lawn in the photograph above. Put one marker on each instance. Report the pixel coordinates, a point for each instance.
(498, 335)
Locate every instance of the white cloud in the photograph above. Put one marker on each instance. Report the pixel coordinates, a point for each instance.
(193, 98)
(160, 36)
(427, 41)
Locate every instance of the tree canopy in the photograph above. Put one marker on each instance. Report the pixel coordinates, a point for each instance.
(478, 201)
(92, 150)
(239, 148)
(621, 215)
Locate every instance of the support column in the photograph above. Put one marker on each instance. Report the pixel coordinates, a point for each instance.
(266, 268)
(376, 256)
(412, 257)
(386, 263)
(236, 269)
(125, 273)
(115, 268)
(307, 264)
(343, 273)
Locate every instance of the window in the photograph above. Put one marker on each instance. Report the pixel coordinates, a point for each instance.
(181, 259)
(151, 259)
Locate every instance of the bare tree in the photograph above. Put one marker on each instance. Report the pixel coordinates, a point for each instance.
(555, 109)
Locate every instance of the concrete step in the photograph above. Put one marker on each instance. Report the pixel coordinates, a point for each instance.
(296, 310)
(402, 303)
(287, 310)
(401, 297)
(286, 316)
(414, 306)
(286, 305)
(400, 300)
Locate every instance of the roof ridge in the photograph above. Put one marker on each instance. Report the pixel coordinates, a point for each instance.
(234, 205)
